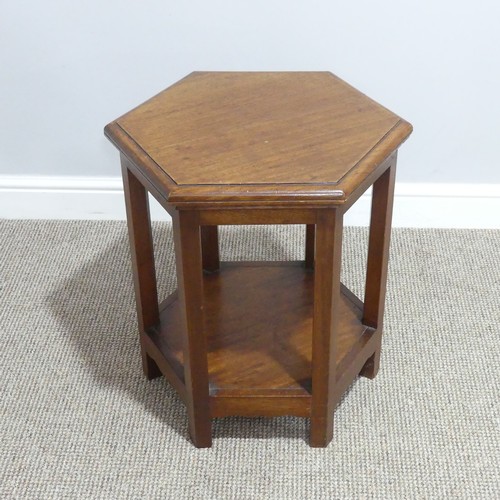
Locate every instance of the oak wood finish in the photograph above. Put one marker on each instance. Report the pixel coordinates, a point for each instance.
(141, 249)
(187, 242)
(310, 245)
(326, 332)
(254, 138)
(259, 338)
(250, 215)
(258, 344)
(210, 248)
(378, 258)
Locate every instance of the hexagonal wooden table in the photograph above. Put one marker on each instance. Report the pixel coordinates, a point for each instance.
(259, 338)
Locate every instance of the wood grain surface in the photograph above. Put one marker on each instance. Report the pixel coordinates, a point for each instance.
(258, 137)
(259, 148)
(258, 325)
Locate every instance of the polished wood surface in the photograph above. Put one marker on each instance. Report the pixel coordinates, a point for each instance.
(310, 245)
(188, 261)
(266, 338)
(142, 254)
(258, 137)
(257, 343)
(326, 328)
(210, 248)
(378, 258)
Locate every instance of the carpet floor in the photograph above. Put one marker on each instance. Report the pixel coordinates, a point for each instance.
(79, 420)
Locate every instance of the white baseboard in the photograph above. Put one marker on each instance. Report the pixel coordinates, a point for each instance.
(415, 205)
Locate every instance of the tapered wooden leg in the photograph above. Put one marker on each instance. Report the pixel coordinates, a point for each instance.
(210, 248)
(378, 256)
(310, 236)
(187, 238)
(325, 324)
(141, 250)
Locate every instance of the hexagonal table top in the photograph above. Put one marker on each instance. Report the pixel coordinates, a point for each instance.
(215, 135)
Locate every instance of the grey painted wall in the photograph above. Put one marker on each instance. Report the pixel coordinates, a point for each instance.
(68, 68)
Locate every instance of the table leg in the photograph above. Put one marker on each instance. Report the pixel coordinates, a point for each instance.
(325, 323)
(310, 236)
(141, 249)
(378, 256)
(210, 248)
(187, 238)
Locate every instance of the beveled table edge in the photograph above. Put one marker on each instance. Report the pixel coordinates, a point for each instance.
(199, 195)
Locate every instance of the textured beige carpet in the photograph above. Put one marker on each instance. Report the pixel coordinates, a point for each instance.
(78, 420)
